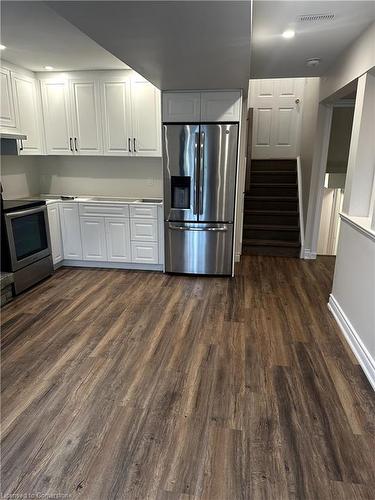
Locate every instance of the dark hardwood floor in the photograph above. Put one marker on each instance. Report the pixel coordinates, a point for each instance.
(135, 385)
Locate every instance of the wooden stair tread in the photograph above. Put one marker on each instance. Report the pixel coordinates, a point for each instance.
(273, 172)
(270, 198)
(271, 243)
(254, 211)
(273, 184)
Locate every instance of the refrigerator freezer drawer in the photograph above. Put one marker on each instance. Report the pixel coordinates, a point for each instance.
(198, 248)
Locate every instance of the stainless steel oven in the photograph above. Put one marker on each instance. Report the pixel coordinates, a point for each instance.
(26, 246)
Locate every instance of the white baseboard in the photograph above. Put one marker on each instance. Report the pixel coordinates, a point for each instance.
(361, 353)
(237, 257)
(112, 265)
(308, 254)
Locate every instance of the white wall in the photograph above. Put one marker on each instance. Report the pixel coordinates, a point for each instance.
(108, 176)
(19, 176)
(339, 141)
(353, 292)
(354, 62)
(308, 129)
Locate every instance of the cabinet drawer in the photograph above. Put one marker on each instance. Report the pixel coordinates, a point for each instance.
(146, 253)
(144, 229)
(103, 209)
(144, 211)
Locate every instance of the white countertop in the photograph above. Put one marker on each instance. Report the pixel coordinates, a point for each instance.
(53, 198)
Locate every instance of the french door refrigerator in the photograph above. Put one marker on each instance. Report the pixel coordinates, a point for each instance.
(200, 163)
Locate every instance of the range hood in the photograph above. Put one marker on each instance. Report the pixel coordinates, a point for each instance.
(9, 144)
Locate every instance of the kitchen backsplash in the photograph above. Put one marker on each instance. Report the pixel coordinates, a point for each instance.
(108, 176)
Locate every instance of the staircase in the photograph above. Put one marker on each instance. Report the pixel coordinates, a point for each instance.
(271, 211)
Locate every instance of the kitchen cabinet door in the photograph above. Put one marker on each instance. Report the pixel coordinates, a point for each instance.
(86, 113)
(57, 118)
(93, 238)
(222, 106)
(55, 232)
(144, 229)
(116, 116)
(146, 118)
(118, 239)
(71, 231)
(7, 112)
(144, 253)
(181, 107)
(26, 98)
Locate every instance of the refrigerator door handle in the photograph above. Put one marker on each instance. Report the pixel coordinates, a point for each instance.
(201, 172)
(196, 177)
(187, 228)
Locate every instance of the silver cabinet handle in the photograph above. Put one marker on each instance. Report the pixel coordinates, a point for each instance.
(134, 146)
(21, 145)
(71, 143)
(196, 183)
(201, 172)
(184, 228)
(129, 145)
(75, 144)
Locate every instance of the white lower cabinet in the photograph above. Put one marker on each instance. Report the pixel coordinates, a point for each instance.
(93, 238)
(145, 253)
(55, 233)
(118, 239)
(71, 231)
(103, 232)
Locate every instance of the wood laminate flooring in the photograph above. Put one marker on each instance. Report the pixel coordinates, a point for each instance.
(135, 385)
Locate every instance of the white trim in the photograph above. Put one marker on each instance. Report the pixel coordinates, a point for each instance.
(112, 265)
(361, 353)
(355, 223)
(300, 207)
(237, 257)
(308, 254)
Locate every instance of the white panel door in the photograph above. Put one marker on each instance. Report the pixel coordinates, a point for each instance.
(181, 107)
(144, 253)
(146, 118)
(7, 114)
(144, 229)
(277, 117)
(71, 231)
(118, 239)
(26, 98)
(55, 232)
(57, 119)
(117, 132)
(223, 106)
(88, 136)
(93, 238)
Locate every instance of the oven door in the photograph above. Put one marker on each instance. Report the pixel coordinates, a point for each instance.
(28, 236)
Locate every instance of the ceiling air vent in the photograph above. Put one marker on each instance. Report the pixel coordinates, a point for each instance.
(315, 18)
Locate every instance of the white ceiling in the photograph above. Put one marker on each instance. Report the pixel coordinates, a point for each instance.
(273, 56)
(35, 36)
(174, 44)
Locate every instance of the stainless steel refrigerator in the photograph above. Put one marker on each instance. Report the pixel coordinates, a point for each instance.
(200, 163)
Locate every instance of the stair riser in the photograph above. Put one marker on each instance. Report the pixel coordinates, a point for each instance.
(273, 190)
(273, 219)
(274, 234)
(278, 178)
(271, 251)
(270, 205)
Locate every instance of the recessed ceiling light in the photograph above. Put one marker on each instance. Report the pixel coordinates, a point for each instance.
(2, 47)
(48, 68)
(289, 34)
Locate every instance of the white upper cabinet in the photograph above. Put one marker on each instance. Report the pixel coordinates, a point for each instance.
(223, 106)
(146, 118)
(7, 112)
(181, 107)
(116, 116)
(57, 119)
(87, 126)
(28, 110)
